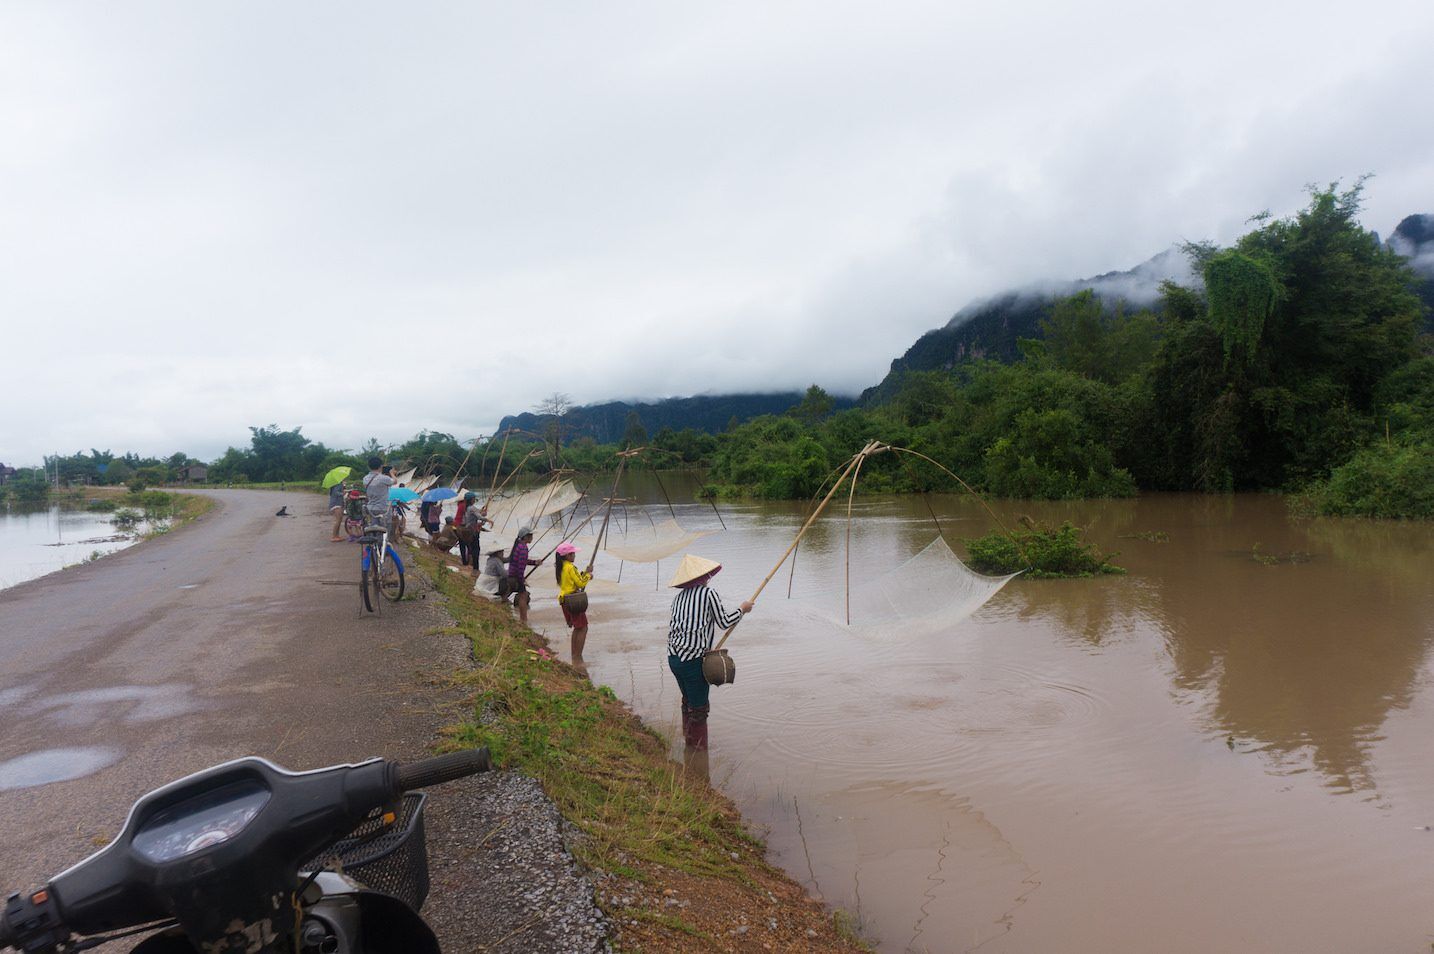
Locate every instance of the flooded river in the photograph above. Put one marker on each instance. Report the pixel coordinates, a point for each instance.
(35, 540)
(1227, 749)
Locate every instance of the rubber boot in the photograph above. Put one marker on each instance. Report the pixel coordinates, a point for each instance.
(697, 731)
(686, 720)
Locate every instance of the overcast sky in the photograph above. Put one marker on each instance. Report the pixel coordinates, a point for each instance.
(368, 219)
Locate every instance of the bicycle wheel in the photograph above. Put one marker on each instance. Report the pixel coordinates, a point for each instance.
(364, 562)
(391, 577)
(375, 585)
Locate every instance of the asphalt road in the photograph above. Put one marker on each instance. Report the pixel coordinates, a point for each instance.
(228, 637)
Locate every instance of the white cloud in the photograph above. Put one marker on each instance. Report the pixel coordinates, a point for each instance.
(217, 217)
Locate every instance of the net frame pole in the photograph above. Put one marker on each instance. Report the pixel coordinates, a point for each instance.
(872, 447)
(499, 467)
(607, 517)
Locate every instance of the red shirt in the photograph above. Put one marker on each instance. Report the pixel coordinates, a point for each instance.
(462, 508)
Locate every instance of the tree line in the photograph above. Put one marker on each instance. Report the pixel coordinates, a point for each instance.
(1297, 364)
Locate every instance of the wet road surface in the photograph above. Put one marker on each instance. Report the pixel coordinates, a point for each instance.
(228, 637)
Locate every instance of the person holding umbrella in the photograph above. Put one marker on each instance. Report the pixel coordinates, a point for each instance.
(334, 483)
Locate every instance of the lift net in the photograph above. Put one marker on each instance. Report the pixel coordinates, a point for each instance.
(643, 543)
(933, 590)
(509, 514)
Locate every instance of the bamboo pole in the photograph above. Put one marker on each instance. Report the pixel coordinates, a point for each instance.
(872, 447)
(570, 531)
(796, 551)
(607, 517)
(982, 500)
(506, 434)
(471, 445)
(851, 495)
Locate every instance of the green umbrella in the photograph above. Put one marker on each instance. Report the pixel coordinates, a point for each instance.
(336, 475)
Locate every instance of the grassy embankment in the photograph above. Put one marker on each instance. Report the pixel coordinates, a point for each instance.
(156, 510)
(678, 868)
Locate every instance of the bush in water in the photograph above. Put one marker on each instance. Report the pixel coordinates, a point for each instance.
(126, 518)
(1041, 551)
(1385, 480)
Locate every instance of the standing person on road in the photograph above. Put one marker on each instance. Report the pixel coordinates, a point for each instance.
(376, 484)
(518, 563)
(336, 507)
(696, 612)
(572, 580)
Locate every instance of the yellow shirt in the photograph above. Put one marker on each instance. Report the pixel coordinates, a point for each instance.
(573, 579)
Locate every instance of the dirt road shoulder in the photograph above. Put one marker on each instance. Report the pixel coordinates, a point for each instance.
(674, 865)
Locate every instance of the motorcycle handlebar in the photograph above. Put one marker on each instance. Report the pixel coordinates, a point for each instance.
(443, 768)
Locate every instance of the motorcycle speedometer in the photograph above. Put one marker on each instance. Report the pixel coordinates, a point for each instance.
(201, 822)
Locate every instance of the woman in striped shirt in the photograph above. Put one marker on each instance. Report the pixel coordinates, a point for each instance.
(696, 612)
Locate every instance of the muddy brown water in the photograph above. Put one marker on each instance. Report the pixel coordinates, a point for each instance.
(1226, 749)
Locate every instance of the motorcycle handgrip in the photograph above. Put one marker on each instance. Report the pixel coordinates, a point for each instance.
(443, 768)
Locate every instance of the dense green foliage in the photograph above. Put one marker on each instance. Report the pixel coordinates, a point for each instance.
(25, 487)
(1296, 355)
(1386, 480)
(1041, 551)
(1295, 365)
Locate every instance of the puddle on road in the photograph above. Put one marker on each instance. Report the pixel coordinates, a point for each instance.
(130, 704)
(54, 765)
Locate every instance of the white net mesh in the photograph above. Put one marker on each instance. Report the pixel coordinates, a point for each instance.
(932, 590)
(645, 543)
(529, 507)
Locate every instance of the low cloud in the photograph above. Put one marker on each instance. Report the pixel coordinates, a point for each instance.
(224, 217)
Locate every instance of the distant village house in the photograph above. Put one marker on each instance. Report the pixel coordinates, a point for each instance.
(6, 473)
(194, 474)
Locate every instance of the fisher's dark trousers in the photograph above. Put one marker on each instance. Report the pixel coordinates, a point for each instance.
(695, 705)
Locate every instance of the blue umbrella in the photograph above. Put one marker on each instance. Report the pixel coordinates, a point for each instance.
(401, 495)
(439, 493)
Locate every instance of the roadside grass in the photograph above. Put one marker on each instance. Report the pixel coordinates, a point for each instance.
(301, 486)
(653, 834)
(606, 771)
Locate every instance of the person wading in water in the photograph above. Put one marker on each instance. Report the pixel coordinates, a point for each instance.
(518, 563)
(572, 580)
(696, 612)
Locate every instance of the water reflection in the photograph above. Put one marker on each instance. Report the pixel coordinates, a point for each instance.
(54, 765)
(36, 540)
(1061, 770)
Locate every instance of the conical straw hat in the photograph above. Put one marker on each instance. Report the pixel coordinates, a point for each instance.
(691, 568)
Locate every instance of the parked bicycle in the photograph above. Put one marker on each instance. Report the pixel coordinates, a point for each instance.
(247, 856)
(380, 566)
(354, 514)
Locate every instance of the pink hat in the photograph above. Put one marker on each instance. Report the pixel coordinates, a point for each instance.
(565, 548)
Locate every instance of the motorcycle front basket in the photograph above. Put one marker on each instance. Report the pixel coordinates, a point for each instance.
(394, 862)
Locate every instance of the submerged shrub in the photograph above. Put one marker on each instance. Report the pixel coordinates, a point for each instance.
(1387, 480)
(1041, 550)
(126, 518)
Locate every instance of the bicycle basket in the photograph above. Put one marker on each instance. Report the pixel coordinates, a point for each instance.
(395, 862)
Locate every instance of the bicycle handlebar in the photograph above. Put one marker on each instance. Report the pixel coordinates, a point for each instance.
(443, 768)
